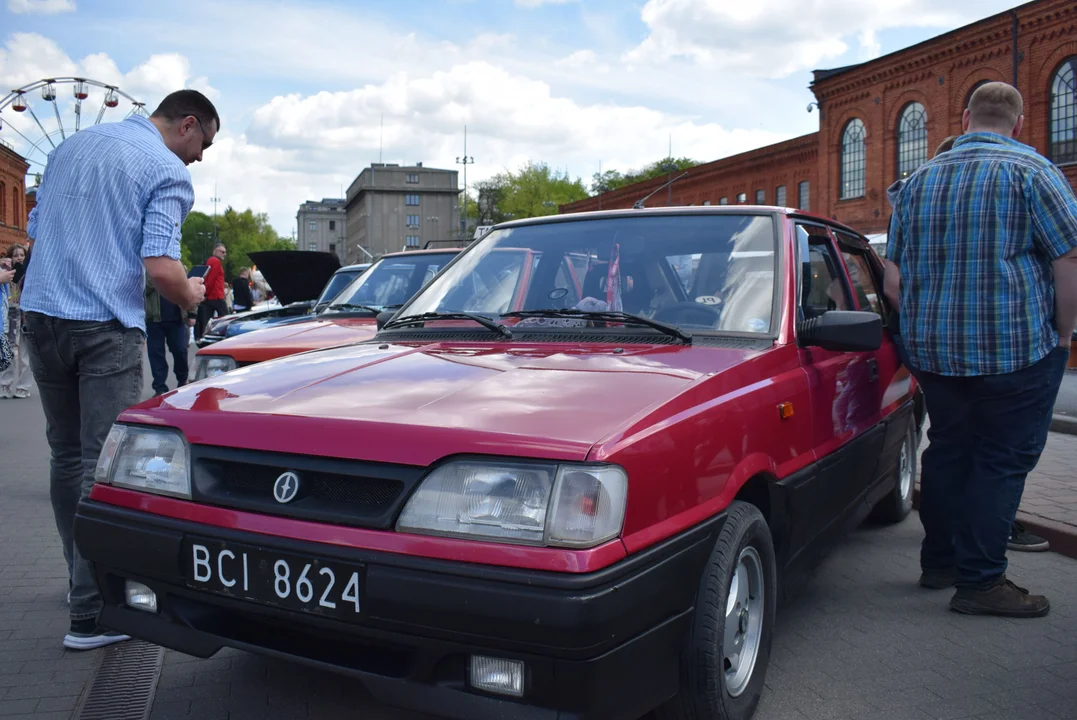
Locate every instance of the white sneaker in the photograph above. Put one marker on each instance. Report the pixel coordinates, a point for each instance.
(88, 635)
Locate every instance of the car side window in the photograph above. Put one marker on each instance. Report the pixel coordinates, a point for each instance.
(823, 285)
(868, 295)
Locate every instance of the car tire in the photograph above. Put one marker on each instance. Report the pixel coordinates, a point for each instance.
(897, 505)
(738, 593)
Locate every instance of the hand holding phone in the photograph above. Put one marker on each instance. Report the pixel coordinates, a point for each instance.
(196, 288)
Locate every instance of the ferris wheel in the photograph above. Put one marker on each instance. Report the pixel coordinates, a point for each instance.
(56, 98)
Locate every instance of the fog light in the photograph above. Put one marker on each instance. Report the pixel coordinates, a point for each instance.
(140, 597)
(496, 675)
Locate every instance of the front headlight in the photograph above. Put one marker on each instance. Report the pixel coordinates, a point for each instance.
(207, 366)
(532, 504)
(146, 459)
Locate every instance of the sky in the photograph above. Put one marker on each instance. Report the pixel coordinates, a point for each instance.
(311, 92)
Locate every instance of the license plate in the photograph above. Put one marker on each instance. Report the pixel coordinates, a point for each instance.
(292, 582)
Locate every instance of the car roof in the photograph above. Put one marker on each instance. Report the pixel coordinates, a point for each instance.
(677, 211)
(438, 251)
(358, 266)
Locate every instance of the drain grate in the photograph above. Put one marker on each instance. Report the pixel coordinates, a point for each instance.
(123, 683)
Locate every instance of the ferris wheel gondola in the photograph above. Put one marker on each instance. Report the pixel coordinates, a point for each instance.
(19, 101)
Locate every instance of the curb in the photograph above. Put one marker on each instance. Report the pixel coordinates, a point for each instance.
(1064, 424)
(1063, 538)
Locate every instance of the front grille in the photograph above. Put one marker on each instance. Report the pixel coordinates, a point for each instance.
(252, 482)
(334, 491)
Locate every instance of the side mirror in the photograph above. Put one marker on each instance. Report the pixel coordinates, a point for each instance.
(383, 317)
(842, 331)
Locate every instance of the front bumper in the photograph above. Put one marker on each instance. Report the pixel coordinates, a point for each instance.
(603, 645)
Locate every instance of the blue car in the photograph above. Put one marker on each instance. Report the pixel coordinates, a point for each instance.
(303, 283)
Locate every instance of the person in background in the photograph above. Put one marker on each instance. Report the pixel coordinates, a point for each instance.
(214, 304)
(15, 381)
(983, 251)
(167, 329)
(109, 211)
(241, 291)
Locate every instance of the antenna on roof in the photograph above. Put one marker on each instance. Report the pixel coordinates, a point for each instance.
(638, 205)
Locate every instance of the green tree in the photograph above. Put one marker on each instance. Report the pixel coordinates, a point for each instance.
(614, 179)
(533, 190)
(241, 232)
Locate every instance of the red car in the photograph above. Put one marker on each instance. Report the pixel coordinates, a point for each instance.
(581, 505)
(349, 318)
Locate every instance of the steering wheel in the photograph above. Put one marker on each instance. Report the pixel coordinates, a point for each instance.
(690, 313)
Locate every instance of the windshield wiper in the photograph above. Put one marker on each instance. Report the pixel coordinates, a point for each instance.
(353, 306)
(425, 317)
(606, 316)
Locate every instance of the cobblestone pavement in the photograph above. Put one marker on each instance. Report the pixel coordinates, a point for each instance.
(1066, 404)
(860, 640)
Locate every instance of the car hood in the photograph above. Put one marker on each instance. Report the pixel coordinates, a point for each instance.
(415, 404)
(281, 338)
(297, 312)
(295, 275)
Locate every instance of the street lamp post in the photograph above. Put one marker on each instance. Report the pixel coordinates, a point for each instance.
(465, 161)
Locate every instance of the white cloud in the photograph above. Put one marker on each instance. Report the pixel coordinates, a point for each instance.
(583, 60)
(744, 36)
(40, 7)
(324, 140)
(28, 57)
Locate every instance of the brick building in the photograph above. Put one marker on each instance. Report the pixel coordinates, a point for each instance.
(881, 119)
(13, 210)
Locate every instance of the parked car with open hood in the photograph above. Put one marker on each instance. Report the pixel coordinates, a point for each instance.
(300, 280)
(565, 480)
(348, 317)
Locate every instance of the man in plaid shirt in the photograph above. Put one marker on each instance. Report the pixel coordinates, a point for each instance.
(984, 245)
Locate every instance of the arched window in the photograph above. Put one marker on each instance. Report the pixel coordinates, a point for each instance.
(972, 90)
(3, 202)
(1063, 131)
(911, 139)
(16, 216)
(853, 155)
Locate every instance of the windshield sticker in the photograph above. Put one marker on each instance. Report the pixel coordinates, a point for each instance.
(709, 300)
(756, 325)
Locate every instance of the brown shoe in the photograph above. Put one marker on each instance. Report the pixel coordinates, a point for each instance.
(1003, 598)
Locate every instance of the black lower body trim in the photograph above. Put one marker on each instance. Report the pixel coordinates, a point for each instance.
(604, 646)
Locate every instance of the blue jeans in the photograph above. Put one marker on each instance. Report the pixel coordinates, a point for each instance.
(172, 335)
(986, 435)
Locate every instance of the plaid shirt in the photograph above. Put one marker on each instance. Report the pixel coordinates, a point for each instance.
(974, 232)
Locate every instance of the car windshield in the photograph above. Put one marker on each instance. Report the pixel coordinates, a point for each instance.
(338, 282)
(707, 272)
(391, 281)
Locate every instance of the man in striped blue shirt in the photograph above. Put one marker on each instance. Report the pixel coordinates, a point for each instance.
(984, 245)
(109, 212)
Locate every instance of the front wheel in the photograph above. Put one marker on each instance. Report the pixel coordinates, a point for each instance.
(724, 663)
(897, 504)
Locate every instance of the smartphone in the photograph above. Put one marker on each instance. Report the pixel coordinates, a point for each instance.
(198, 271)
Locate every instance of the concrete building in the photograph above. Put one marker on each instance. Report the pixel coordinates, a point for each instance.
(322, 226)
(392, 208)
(13, 209)
(881, 119)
